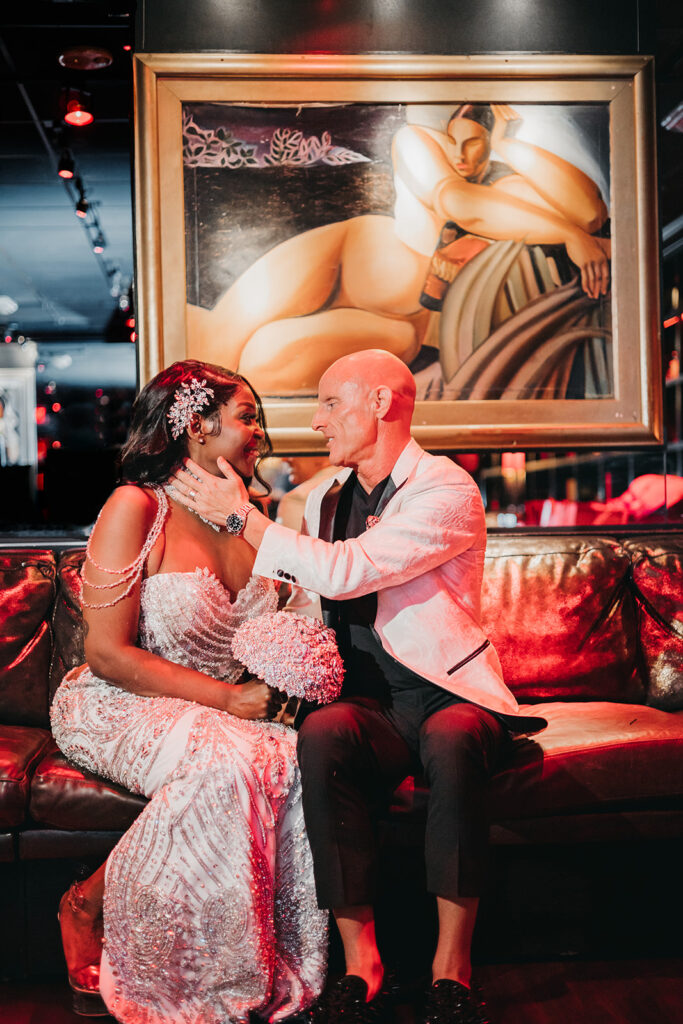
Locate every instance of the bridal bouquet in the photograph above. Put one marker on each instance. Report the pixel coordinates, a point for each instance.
(292, 653)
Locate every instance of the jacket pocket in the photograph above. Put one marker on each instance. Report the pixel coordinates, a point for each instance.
(470, 657)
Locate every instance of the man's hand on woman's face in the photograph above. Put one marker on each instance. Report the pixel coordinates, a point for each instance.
(213, 497)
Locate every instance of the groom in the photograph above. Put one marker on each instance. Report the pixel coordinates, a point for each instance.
(396, 550)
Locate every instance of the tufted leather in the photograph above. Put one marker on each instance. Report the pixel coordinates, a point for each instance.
(67, 619)
(21, 748)
(592, 756)
(27, 589)
(561, 616)
(658, 579)
(66, 797)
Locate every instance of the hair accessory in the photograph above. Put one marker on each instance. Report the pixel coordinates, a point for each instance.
(292, 653)
(191, 397)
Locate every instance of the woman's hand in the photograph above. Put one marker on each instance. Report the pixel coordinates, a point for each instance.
(253, 700)
(213, 497)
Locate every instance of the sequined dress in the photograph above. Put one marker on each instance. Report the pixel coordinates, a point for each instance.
(209, 907)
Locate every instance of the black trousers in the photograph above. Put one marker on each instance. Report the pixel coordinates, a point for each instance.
(352, 757)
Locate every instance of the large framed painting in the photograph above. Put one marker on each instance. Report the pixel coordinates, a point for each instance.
(490, 220)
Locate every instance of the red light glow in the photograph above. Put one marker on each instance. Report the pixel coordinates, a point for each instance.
(56, 444)
(671, 321)
(56, 406)
(41, 414)
(130, 322)
(77, 116)
(133, 336)
(65, 173)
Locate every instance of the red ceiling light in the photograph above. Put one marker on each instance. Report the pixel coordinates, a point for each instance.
(65, 167)
(77, 113)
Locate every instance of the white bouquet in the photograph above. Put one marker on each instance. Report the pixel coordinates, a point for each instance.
(291, 653)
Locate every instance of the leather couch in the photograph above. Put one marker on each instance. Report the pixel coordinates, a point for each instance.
(589, 629)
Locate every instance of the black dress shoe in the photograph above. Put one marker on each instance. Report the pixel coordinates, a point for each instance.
(346, 1003)
(449, 1002)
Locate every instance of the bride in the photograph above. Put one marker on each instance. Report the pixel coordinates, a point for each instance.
(209, 902)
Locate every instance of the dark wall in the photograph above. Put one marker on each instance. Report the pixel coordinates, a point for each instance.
(408, 26)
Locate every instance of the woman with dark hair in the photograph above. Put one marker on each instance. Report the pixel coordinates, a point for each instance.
(209, 904)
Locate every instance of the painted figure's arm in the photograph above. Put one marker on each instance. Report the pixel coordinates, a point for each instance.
(491, 212)
(563, 186)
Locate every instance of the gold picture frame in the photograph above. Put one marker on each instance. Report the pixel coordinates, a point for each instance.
(629, 409)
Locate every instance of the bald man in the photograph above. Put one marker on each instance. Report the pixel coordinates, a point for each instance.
(395, 548)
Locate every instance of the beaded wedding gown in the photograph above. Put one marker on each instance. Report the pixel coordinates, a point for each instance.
(209, 907)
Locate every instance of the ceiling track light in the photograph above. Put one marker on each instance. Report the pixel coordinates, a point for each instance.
(76, 111)
(82, 207)
(65, 167)
(99, 243)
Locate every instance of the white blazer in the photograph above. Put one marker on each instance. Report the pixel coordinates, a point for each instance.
(424, 559)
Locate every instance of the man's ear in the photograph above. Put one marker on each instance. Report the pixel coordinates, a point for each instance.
(382, 401)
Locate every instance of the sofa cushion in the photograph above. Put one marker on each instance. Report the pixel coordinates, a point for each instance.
(21, 748)
(658, 584)
(66, 797)
(593, 756)
(27, 588)
(67, 618)
(562, 618)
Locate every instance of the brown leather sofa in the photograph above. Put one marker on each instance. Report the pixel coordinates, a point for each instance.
(589, 629)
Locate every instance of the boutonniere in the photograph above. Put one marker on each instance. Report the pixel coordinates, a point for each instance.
(371, 521)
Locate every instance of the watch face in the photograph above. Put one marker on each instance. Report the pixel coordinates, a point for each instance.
(234, 523)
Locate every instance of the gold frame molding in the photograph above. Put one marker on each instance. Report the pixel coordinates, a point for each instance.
(633, 417)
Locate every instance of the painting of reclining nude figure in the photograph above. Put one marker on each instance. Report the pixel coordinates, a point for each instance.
(471, 240)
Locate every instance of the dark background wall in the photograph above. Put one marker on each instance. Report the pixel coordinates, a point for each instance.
(409, 26)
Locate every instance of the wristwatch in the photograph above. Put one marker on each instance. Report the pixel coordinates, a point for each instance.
(237, 520)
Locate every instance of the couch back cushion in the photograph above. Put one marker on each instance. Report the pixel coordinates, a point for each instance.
(562, 617)
(67, 619)
(27, 589)
(658, 585)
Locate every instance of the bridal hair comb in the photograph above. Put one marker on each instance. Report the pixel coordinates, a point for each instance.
(191, 397)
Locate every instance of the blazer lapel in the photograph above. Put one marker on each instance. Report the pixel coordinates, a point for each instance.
(328, 510)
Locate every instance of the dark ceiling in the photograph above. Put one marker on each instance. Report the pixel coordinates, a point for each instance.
(47, 262)
(47, 265)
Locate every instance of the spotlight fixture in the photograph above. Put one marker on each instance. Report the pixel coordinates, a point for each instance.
(65, 167)
(85, 58)
(76, 108)
(99, 243)
(82, 207)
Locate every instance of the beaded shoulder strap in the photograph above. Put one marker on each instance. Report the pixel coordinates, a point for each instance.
(130, 573)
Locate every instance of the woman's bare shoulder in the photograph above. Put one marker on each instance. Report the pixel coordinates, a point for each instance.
(123, 525)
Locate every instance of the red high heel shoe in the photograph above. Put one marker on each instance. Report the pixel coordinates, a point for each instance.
(83, 966)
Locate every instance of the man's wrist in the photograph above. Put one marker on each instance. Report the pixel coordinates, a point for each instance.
(236, 521)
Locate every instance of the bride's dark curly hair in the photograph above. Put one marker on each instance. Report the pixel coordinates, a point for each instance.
(151, 455)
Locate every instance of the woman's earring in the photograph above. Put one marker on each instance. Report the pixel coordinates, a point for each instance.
(201, 439)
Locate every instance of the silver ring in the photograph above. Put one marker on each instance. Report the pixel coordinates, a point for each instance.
(192, 494)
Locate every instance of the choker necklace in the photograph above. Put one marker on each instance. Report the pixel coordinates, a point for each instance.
(171, 491)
